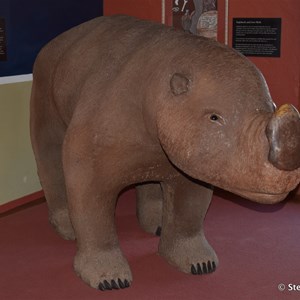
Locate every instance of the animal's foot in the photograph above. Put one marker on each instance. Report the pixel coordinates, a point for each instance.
(103, 270)
(61, 222)
(203, 268)
(190, 255)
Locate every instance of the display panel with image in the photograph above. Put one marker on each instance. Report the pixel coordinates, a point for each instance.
(199, 17)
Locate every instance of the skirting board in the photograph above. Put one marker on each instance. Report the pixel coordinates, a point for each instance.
(20, 202)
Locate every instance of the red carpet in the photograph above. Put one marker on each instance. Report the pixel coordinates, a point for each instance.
(258, 248)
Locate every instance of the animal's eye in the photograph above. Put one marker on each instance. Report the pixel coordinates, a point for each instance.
(214, 117)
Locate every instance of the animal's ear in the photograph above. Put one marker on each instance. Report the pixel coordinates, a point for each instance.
(179, 84)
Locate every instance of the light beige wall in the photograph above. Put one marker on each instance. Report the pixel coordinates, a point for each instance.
(18, 176)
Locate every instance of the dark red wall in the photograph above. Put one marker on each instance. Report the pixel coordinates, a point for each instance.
(282, 74)
(144, 9)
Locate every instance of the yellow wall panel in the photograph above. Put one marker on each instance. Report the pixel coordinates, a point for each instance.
(18, 176)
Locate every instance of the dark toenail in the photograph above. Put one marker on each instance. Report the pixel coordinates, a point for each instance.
(213, 265)
(158, 231)
(126, 283)
(199, 270)
(121, 284)
(101, 286)
(209, 266)
(204, 268)
(114, 285)
(107, 285)
(194, 270)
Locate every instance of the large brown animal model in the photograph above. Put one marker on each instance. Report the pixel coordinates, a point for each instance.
(118, 101)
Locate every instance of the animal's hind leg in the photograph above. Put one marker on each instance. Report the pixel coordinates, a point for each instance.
(149, 207)
(47, 134)
(52, 180)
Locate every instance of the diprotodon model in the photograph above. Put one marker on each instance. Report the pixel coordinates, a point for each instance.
(118, 101)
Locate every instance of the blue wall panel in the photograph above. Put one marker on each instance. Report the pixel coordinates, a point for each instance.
(30, 24)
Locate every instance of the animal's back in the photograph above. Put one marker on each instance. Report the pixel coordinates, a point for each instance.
(101, 46)
(95, 54)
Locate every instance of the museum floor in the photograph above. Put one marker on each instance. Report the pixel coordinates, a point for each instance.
(258, 248)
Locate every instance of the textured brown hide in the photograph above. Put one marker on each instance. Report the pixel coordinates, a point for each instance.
(118, 101)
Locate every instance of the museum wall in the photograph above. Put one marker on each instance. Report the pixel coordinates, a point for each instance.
(155, 10)
(28, 26)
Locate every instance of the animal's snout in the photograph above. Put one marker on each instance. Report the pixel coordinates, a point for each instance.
(283, 133)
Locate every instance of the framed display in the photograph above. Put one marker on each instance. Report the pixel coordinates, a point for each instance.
(257, 36)
(199, 17)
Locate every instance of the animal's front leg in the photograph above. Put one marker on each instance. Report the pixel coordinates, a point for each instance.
(92, 192)
(182, 241)
(99, 260)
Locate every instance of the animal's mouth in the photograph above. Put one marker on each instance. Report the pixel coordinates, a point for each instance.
(265, 198)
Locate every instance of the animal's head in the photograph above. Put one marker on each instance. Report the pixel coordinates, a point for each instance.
(218, 124)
